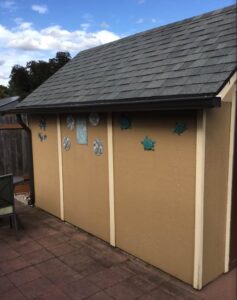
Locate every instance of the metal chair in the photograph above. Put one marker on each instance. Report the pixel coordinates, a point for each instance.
(7, 201)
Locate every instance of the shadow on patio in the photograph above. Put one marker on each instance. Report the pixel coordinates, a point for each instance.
(54, 260)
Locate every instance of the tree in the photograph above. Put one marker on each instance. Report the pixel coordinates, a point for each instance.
(4, 92)
(23, 80)
(59, 61)
(38, 72)
(19, 83)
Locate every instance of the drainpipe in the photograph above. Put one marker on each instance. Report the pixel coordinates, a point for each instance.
(30, 151)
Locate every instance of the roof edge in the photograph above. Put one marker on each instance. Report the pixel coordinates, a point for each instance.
(166, 103)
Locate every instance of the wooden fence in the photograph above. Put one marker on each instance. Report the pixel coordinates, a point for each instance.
(14, 156)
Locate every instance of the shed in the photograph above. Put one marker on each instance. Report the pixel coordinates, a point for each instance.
(134, 142)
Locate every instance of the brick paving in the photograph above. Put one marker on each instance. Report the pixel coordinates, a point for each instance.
(56, 261)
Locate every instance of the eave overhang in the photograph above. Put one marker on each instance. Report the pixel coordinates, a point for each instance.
(156, 103)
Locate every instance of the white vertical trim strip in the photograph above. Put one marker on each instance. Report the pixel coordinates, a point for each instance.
(199, 199)
(228, 86)
(111, 179)
(230, 180)
(60, 168)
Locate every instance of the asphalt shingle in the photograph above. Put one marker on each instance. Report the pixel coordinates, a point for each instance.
(193, 56)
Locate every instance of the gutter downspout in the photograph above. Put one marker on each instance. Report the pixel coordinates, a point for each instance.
(30, 150)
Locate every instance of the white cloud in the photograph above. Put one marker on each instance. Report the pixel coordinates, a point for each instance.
(40, 8)
(24, 43)
(140, 21)
(104, 24)
(85, 26)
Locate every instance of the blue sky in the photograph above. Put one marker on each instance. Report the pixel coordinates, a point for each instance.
(33, 30)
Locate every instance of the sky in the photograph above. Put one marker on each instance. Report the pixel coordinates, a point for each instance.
(36, 30)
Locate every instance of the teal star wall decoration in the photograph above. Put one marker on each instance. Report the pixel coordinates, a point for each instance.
(125, 122)
(148, 144)
(180, 127)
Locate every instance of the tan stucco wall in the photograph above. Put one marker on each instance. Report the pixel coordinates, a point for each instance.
(155, 191)
(46, 171)
(85, 178)
(215, 195)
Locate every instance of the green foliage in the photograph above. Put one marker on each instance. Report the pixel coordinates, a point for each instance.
(24, 80)
(4, 92)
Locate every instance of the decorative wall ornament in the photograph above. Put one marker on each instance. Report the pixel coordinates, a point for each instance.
(42, 136)
(81, 126)
(66, 143)
(70, 121)
(98, 147)
(180, 127)
(94, 118)
(148, 144)
(125, 122)
(42, 124)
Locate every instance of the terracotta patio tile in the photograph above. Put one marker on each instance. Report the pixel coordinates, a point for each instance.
(8, 254)
(160, 295)
(62, 249)
(111, 276)
(80, 236)
(57, 272)
(176, 288)
(79, 289)
(53, 293)
(75, 258)
(53, 222)
(114, 256)
(14, 244)
(13, 294)
(100, 296)
(75, 243)
(28, 247)
(105, 258)
(75, 265)
(38, 256)
(96, 243)
(26, 275)
(149, 272)
(51, 265)
(5, 285)
(35, 288)
(123, 291)
(224, 287)
(141, 283)
(68, 229)
(52, 241)
(41, 232)
(89, 267)
(13, 265)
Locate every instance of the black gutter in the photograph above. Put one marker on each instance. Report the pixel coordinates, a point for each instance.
(127, 104)
(30, 151)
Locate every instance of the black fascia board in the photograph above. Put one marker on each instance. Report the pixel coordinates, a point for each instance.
(171, 103)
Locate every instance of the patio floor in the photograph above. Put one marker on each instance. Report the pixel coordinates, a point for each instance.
(54, 260)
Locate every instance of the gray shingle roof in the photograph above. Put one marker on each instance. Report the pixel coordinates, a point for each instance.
(8, 103)
(191, 57)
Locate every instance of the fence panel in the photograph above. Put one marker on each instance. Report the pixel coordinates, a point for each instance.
(14, 156)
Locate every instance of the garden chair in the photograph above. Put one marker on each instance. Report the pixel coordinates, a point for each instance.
(7, 201)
